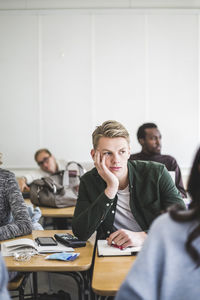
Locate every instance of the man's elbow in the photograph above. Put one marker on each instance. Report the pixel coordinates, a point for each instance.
(80, 234)
(27, 229)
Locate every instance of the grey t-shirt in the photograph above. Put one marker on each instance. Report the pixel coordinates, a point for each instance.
(123, 216)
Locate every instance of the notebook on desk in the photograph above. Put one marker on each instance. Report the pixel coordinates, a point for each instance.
(25, 245)
(103, 249)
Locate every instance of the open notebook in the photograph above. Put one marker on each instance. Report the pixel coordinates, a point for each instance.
(22, 245)
(105, 250)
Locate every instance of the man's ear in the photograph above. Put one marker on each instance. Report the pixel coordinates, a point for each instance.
(92, 153)
(129, 152)
(141, 141)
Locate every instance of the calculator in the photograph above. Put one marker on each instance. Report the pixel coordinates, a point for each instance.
(69, 240)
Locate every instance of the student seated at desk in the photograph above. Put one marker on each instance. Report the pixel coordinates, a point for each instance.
(48, 165)
(120, 198)
(14, 217)
(149, 138)
(168, 266)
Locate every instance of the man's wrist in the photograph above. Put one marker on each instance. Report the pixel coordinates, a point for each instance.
(24, 179)
(110, 192)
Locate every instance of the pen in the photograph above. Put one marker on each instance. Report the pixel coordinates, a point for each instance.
(116, 246)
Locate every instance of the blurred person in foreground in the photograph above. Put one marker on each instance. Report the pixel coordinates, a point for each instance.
(168, 266)
(14, 217)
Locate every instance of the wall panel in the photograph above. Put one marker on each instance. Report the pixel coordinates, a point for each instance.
(173, 81)
(19, 114)
(62, 72)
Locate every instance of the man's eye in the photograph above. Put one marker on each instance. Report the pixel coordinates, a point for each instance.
(122, 151)
(107, 153)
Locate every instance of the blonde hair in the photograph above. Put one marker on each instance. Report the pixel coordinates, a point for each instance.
(109, 129)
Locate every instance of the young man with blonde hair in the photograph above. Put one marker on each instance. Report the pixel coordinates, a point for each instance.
(120, 198)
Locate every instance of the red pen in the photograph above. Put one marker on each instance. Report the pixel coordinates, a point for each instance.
(116, 246)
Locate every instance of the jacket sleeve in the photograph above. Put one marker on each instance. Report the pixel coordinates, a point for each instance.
(178, 179)
(145, 277)
(20, 223)
(168, 192)
(91, 210)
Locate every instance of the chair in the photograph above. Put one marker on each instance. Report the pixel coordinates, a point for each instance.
(18, 284)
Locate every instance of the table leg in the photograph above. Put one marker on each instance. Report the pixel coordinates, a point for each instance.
(35, 286)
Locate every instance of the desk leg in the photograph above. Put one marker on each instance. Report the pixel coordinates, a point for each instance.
(35, 286)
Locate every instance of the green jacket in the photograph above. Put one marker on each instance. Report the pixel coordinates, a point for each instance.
(151, 191)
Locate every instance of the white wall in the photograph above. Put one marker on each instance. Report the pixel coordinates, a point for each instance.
(62, 72)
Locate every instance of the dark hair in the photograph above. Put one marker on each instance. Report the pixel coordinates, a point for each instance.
(193, 188)
(141, 130)
(41, 150)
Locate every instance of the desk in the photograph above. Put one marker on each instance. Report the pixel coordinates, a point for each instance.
(53, 212)
(109, 273)
(38, 262)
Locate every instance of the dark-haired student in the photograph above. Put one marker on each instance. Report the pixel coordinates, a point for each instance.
(149, 137)
(168, 266)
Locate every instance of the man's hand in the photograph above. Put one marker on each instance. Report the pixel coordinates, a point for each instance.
(127, 238)
(111, 180)
(22, 184)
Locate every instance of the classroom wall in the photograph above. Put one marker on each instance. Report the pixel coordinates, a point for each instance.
(64, 70)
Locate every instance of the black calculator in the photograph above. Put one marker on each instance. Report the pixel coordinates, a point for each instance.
(69, 240)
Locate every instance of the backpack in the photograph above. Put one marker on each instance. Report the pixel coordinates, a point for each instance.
(57, 190)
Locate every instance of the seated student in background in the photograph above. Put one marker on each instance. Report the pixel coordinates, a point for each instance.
(48, 166)
(120, 198)
(14, 217)
(149, 138)
(3, 281)
(168, 266)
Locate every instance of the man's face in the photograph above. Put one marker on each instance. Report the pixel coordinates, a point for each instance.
(47, 162)
(151, 144)
(117, 152)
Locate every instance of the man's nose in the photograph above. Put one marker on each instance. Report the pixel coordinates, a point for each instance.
(116, 157)
(158, 141)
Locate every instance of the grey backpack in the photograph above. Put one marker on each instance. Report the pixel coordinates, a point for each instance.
(57, 190)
